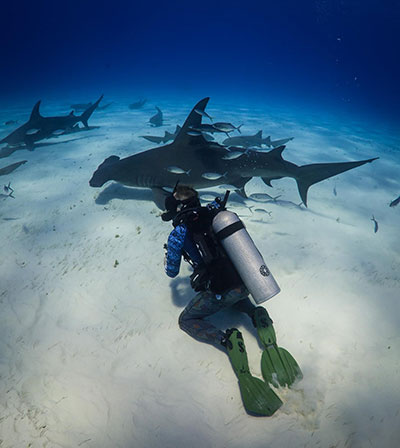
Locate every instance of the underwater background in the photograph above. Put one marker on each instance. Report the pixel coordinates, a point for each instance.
(91, 353)
(337, 56)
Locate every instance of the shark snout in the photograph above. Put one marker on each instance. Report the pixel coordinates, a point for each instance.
(104, 172)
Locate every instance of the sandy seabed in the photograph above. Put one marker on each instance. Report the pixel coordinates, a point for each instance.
(91, 353)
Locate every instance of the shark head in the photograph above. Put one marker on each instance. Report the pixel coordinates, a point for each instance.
(104, 172)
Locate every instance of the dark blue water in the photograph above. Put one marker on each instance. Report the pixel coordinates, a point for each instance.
(341, 56)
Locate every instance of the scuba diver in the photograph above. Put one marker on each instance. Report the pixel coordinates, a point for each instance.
(226, 267)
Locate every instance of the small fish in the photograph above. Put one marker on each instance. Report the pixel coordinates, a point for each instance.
(8, 190)
(263, 197)
(261, 210)
(7, 123)
(193, 133)
(227, 187)
(32, 131)
(203, 113)
(204, 127)
(233, 155)
(213, 176)
(207, 197)
(334, 190)
(177, 170)
(208, 137)
(395, 202)
(376, 223)
(226, 127)
(59, 132)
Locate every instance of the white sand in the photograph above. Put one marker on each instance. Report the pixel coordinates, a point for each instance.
(91, 353)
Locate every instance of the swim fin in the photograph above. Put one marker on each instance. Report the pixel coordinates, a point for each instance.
(278, 366)
(258, 398)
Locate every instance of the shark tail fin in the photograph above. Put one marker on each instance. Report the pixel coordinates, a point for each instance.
(88, 112)
(311, 174)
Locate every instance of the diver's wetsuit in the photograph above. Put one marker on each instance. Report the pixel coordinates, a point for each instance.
(208, 302)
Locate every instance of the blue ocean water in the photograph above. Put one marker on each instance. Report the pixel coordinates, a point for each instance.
(336, 55)
(90, 346)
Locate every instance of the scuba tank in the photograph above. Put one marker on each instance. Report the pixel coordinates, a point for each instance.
(241, 250)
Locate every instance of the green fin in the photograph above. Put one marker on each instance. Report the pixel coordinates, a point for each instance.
(278, 366)
(258, 398)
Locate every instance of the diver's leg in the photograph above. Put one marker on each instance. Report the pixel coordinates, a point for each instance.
(245, 306)
(192, 319)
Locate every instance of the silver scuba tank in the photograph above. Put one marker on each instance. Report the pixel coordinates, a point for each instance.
(245, 256)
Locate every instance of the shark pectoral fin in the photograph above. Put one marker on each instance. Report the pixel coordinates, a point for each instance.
(267, 180)
(311, 174)
(159, 195)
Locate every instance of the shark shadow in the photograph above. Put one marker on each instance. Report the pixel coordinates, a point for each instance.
(10, 168)
(8, 150)
(118, 191)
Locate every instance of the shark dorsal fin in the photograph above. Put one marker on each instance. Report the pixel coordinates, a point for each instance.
(258, 135)
(71, 113)
(277, 152)
(35, 114)
(192, 121)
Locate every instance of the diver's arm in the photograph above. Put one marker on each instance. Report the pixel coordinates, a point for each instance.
(176, 240)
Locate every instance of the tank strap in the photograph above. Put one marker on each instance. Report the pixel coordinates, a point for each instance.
(229, 230)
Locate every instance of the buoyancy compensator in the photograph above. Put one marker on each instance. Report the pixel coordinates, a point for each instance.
(216, 272)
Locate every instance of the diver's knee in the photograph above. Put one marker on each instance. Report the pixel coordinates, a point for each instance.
(181, 320)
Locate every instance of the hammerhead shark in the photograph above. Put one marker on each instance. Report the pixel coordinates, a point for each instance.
(39, 127)
(192, 160)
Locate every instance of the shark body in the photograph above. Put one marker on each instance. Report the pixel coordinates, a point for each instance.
(149, 169)
(39, 127)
